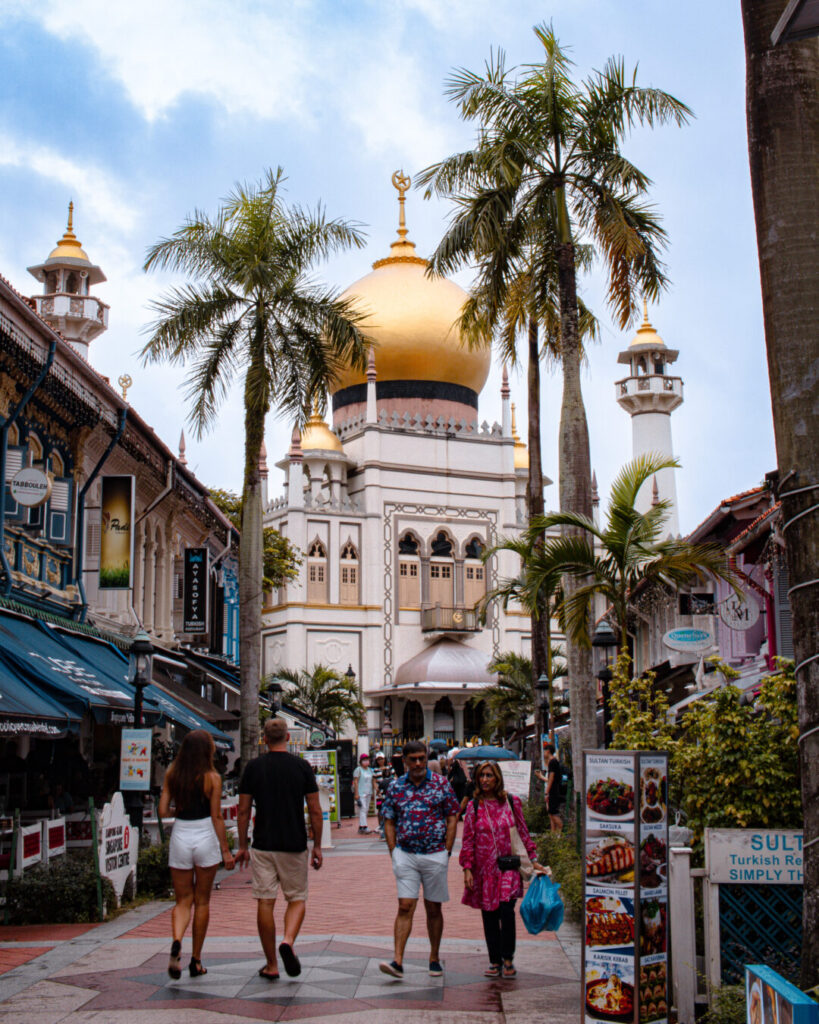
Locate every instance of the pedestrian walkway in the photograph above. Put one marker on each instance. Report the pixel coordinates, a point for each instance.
(115, 973)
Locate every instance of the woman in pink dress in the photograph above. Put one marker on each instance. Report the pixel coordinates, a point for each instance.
(486, 836)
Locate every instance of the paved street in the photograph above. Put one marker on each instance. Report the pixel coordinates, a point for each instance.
(116, 972)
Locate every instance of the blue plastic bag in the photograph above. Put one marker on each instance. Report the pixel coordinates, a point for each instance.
(542, 907)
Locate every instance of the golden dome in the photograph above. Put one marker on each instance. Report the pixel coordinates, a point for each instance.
(68, 246)
(646, 335)
(412, 320)
(521, 452)
(317, 436)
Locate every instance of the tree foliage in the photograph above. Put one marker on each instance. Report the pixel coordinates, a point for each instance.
(511, 699)
(281, 558)
(639, 710)
(325, 694)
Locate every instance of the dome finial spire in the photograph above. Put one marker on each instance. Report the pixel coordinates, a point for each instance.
(402, 182)
(645, 310)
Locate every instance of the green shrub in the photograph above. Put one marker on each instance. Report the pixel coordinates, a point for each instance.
(559, 851)
(536, 817)
(153, 873)
(62, 893)
(728, 1006)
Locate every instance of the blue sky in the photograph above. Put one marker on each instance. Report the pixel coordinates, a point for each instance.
(143, 113)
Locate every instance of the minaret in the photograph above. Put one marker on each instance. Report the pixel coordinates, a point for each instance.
(649, 395)
(66, 304)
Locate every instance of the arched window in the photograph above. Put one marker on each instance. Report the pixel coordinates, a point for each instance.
(50, 282)
(348, 591)
(441, 574)
(412, 724)
(317, 573)
(409, 572)
(474, 572)
(72, 284)
(57, 464)
(443, 720)
(474, 717)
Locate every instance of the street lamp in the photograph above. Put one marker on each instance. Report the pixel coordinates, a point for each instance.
(543, 686)
(605, 640)
(275, 689)
(140, 668)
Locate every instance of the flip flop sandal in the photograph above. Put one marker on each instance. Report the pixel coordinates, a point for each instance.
(291, 962)
(267, 976)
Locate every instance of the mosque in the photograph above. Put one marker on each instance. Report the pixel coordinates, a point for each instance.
(395, 504)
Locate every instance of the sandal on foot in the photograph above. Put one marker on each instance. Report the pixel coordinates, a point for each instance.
(509, 971)
(195, 967)
(492, 971)
(174, 970)
(267, 976)
(291, 962)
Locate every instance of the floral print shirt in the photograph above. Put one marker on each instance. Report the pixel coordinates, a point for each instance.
(420, 812)
(486, 837)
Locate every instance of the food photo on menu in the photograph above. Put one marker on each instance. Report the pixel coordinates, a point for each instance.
(653, 862)
(609, 858)
(609, 921)
(653, 794)
(612, 796)
(610, 988)
(653, 991)
(653, 921)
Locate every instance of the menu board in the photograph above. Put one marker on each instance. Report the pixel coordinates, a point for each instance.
(325, 765)
(772, 999)
(625, 839)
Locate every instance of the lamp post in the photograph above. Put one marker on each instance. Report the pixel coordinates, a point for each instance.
(604, 639)
(543, 687)
(140, 669)
(275, 689)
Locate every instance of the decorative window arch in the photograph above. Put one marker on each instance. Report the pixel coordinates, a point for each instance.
(35, 447)
(409, 571)
(442, 570)
(317, 572)
(350, 572)
(57, 463)
(474, 571)
(442, 545)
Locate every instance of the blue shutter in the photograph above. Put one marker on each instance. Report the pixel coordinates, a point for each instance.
(16, 458)
(61, 511)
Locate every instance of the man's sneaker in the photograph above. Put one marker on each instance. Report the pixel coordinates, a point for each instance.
(392, 968)
(436, 968)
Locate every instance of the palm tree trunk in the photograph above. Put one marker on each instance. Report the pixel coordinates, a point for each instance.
(535, 506)
(575, 496)
(251, 557)
(783, 144)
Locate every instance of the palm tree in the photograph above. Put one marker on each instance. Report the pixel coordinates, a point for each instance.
(611, 561)
(325, 694)
(556, 147)
(783, 141)
(512, 698)
(250, 310)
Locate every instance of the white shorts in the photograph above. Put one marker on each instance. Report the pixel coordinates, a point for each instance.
(193, 844)
(411, 870)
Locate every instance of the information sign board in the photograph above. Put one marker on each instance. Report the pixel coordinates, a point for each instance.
(118, 845)
(195, 591)
(135, 759)
(754, 856)
(516, 777)
(625, 897)
(325, 765)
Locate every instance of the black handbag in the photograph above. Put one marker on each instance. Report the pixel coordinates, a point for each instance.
(508, 862)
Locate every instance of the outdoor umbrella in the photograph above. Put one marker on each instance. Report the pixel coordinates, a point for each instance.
(485, 754)
(438, 745)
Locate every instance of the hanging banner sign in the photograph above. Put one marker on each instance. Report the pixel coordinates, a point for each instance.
(30, 487)
(117, 534)
(135, 759)
(195, 601)
(737, 614)
(689, 641)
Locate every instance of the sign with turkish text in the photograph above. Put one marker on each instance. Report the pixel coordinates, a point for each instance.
(739, 614)
(30, 487)
(116, 532)
(195, 603)
(753, 856)
(118, 845)
(135, 759)
(689, 641)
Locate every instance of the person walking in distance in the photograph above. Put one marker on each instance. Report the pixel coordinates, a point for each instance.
(553, 796)
(278, 783)
(194, 787)
(363, 792)
(383, 775)
(420, 821)
(492, 881)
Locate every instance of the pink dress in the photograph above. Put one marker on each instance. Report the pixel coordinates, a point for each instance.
(484, 839)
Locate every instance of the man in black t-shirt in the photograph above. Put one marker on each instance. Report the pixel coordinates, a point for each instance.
(554, 793)
(278, 783)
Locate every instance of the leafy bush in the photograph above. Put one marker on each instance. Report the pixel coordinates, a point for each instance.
(536, 816)
(63, 892)
(728, 1006)
(153, 873)
(559, 851)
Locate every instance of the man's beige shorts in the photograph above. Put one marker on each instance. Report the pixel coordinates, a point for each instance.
(272, 868)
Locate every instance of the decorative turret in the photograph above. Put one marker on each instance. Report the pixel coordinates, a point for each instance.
(66, 304)
(649, 395)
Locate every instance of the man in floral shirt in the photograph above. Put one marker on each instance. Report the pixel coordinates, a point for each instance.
(420, 820)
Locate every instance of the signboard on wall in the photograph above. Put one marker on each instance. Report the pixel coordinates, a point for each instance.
(625, 890)
(195, 595)
(753, 856)
(739, 614)
(30, 487)
(689, 641)
(116, 534)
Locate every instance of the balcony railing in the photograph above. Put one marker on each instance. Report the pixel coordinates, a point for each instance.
(450, 620)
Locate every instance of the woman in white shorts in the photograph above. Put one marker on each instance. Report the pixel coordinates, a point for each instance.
(194, 787)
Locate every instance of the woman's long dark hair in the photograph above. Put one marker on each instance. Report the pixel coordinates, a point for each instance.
(186, 776)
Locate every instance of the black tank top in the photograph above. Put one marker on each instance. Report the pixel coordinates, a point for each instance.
(200, 808)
